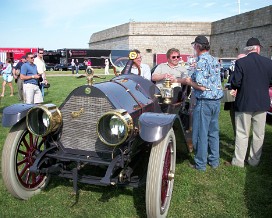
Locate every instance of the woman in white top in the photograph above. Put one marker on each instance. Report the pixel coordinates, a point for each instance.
(7, 77)
(145, 69)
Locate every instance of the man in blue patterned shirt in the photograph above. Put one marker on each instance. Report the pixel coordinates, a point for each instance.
(206, 83)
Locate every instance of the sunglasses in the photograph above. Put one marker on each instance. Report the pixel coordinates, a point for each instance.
(31, 57)
(174, 57)
(40, 53)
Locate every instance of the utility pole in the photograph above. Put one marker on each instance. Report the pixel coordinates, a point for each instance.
(238, 1)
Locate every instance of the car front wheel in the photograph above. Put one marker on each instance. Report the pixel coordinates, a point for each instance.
(19, 153)
(160, 176)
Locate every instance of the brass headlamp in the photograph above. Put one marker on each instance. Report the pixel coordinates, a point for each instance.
(43, 119)
(115, 127)
(166, 91)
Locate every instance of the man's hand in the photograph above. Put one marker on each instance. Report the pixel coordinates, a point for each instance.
(190, 82)
(37, 76)
(169, 76)
(233, 92)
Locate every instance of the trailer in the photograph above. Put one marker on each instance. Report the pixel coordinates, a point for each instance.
(97, 57)
(14, 54)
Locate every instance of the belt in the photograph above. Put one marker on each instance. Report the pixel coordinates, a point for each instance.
(31, 83)
(207, 99)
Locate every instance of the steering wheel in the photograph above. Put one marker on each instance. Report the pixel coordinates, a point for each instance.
(124, 63)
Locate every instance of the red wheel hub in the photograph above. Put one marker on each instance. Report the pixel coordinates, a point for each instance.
(165, 178)
(25, 157)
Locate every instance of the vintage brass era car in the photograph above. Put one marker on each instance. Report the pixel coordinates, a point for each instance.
(127, 129)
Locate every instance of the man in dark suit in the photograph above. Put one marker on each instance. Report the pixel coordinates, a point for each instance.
(251, 78)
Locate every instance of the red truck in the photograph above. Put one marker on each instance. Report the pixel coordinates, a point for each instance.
(14, 54)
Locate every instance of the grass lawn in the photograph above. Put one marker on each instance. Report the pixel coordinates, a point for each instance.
(224, 192)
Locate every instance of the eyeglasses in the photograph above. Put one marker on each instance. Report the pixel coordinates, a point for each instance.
(31, 57)
(40, 53)
(175, 57)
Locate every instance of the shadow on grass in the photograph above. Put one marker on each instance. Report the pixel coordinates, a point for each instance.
(106, 193)
(226, 147)
(258, 183)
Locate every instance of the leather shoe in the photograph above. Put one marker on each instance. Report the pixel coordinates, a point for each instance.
(227, 163)
(214, 167)
(193, 166)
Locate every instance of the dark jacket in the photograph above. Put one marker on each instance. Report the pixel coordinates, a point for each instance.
(251, 78)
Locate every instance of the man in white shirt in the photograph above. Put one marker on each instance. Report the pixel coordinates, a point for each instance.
(145, 69)
(39, 62)
(107, 64)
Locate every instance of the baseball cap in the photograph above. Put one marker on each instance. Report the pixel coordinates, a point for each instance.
(23, 57)
(253, 41)
(201, 40)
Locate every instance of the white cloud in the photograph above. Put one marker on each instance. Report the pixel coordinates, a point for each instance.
(194, 4)
(226, 5)
(209, 4)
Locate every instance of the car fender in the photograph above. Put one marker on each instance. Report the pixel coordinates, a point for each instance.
(14, 113)
(154, 127)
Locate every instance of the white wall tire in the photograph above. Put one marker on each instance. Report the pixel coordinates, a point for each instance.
(160, 176)
(18, 155)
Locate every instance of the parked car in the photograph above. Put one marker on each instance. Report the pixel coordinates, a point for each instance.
(60, 67)
(81, 67)
(50, 67)
(127, 128)
(227, 64)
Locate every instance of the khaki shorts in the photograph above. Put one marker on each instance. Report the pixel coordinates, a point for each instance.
(32, 94)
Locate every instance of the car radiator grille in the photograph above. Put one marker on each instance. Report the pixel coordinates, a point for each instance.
(80, 133)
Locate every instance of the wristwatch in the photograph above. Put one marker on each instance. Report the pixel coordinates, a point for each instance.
(32, 77)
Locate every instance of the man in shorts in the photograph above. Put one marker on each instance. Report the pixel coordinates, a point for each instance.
(29, 74)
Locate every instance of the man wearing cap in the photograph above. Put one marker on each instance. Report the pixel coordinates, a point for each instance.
(206, 83)
(251, 78)
(20, 82)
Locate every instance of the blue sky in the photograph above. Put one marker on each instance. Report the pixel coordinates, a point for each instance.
(55, 24)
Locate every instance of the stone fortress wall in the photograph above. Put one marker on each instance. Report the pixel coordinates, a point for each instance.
(227, 36)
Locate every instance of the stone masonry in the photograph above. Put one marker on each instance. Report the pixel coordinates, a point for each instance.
(227, 36)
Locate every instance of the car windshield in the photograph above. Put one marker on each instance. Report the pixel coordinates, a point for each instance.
(119, 58)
